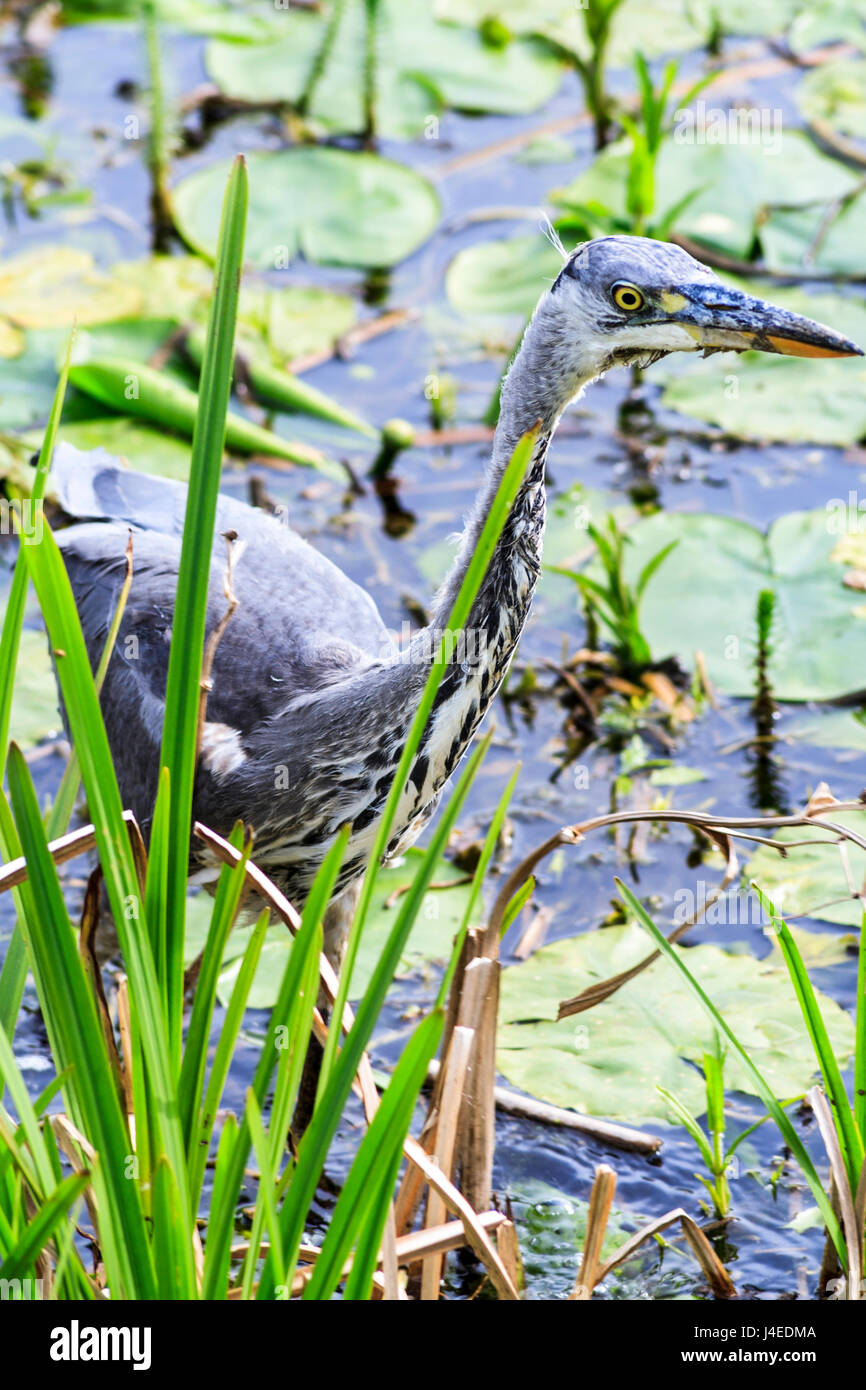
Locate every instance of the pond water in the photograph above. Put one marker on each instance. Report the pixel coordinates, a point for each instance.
(647, 451)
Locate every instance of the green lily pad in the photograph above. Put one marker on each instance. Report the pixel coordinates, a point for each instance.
(28, 381)
(836, 93)
(502, 277)
(733, 183)
(420, 66)
(286, 323)
(610, 1060)
(35, 709)
(838, 728)
(55, 286)
(655, 27)
(326, 204)
(826, 21)
(791, 238)
(811, 880)
(439, 917)
(152, 451)
(704, 596)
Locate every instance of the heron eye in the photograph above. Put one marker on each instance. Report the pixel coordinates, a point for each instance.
(627, 297)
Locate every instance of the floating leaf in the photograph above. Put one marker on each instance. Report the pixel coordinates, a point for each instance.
(704, 599)
(328, 205)
(838, 728)
(811, 880)
(502, 277)
(419, 66)
(153, 451)
(610, 1060)
(52, 286)
(439, 917)
(653, 26)
(286, 323)
(733, 181)
(35, 710)
(676, 776)
(836, 93)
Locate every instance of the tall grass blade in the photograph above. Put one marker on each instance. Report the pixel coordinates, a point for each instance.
(370, 1184)
(762, 1088)
(184, 668)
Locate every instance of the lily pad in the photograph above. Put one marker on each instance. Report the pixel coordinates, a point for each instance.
(802, 239)
(610, 1060)
(704, 599)
(837, 728)
(654, 27)
(52, 286)
(419, 67)
(811, 880)
(440, 915)
(153, 451)
(732, 182)
(286, 323)
(35, 709)
(502, 277)
(328, 205)
(836, 94)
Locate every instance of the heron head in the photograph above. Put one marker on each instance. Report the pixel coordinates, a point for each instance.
(630, 299)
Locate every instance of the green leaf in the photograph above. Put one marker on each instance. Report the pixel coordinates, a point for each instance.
(704, 599)
(325, 204)
(737, 178)
(182, 695)
(419, 66)
(836, 94)
(610, 1060)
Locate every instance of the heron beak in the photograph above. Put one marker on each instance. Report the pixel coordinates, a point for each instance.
(719, 316)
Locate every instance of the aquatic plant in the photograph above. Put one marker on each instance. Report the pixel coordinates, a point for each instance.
(614, 602)
(716, 1155)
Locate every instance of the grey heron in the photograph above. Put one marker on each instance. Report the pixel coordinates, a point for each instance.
(311, 699)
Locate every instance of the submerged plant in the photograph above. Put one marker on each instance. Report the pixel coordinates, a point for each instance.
(614, 602)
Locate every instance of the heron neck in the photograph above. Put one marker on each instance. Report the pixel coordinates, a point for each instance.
(541, 382)
(544, 377)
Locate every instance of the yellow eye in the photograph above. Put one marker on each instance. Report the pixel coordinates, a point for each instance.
(627, 297)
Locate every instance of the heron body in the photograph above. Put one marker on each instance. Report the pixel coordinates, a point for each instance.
(311, 699)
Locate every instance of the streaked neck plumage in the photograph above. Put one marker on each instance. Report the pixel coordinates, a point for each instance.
(547, 373)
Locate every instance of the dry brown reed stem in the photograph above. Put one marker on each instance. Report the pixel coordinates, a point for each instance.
(600, 1203)
(475, 1158)
(456, 1063)
(853, 1231)
(592, 1272)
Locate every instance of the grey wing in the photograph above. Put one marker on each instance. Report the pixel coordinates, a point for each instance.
(300, 624)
